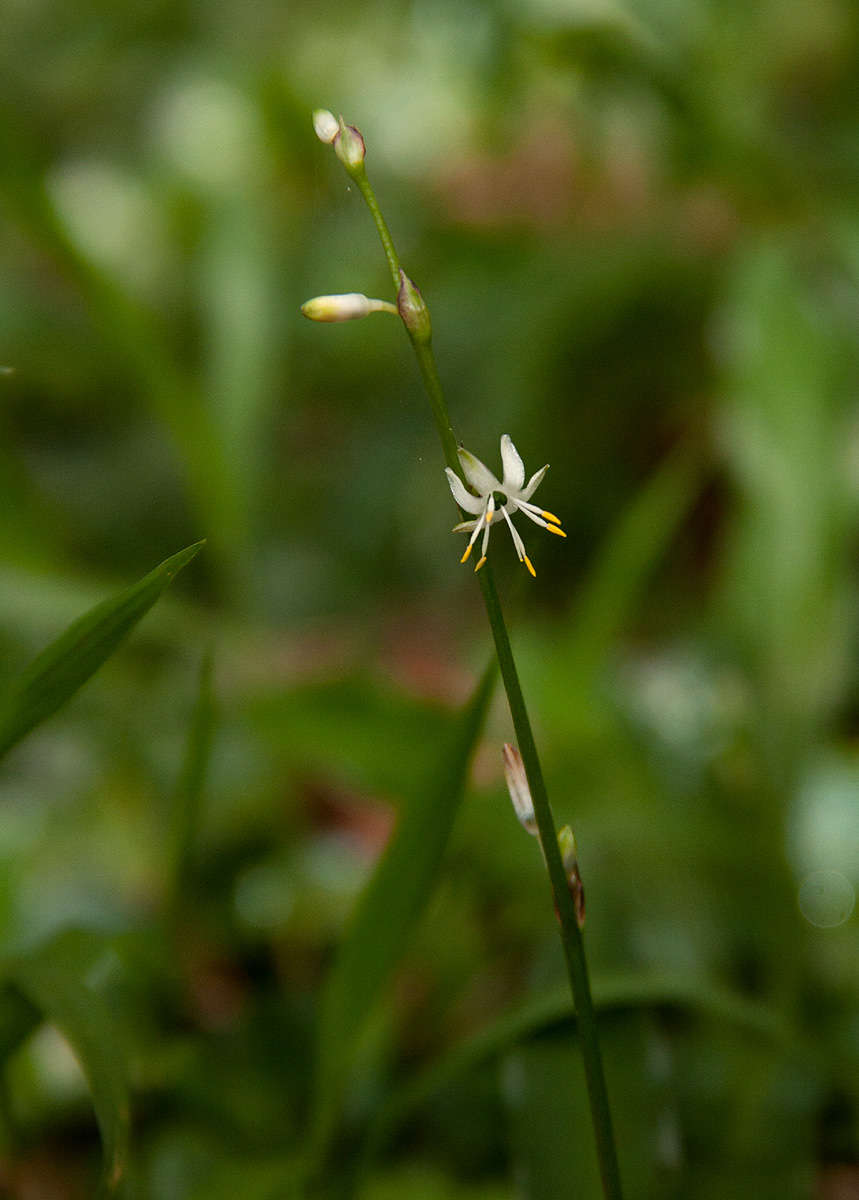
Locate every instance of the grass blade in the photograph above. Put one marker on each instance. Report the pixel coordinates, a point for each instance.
(64, 666)
(50, 980)
(387, 912)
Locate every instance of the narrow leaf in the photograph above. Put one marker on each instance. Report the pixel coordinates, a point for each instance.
(48, 981)
(388, 911)
(64, 666)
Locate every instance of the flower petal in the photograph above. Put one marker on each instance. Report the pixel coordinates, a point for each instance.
(534, 482)
(478, 475)
(514, 468)
(465, 500)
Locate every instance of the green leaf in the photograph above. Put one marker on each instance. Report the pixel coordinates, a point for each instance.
(18, 1019)
(388, 911)
(57, 673)
(52, 980)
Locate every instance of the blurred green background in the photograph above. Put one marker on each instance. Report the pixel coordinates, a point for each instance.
(636, 226)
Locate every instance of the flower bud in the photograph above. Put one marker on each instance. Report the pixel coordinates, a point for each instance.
(350, 306)
(326, 125)
(414, 311)
(569, 857)
(349, 147)
(517, 786)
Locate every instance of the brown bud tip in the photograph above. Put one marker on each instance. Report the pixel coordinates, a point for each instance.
(413, 310)
(517, 786)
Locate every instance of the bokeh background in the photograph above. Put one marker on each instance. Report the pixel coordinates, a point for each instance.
(636, 226)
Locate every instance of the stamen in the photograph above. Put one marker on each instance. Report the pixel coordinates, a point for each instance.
(517, 541)
(467, 552)
(480, 564)
(529, 565)
(550, 517)
(555, 529)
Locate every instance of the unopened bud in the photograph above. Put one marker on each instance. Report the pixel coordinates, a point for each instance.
(570, 859)
(350, 306)
(326, 125)
(349, 147)
(517, 786)
(414, 311)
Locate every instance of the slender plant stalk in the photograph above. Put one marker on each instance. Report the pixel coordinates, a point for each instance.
(571, 936)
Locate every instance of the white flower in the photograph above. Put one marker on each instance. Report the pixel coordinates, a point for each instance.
(512, 487)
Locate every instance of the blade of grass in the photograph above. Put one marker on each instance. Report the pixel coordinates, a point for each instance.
(387, 913)
(64, 666)
(50, 980)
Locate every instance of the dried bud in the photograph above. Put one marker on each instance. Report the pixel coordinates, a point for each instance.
(414, 311)
(326, 125)
(349, 147)
(569, 857)
(517, 786)
(350, 306)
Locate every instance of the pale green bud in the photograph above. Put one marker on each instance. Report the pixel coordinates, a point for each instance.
(414, 311)
(570, 859)
(349, 147)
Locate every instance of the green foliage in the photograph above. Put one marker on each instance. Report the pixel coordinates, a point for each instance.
(389, 908)
(635, 227)
(53, 979)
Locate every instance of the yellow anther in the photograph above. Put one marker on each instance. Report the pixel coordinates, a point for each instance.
(555, 529)
(551, 517)
(480, 564)
(529, 565)
(467, 552)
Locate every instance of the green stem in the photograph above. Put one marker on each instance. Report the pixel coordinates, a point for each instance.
(429, 374)
(571, 936)
(360, 176)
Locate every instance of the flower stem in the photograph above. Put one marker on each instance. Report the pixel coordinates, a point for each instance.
(571, 935)
(360, 177)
